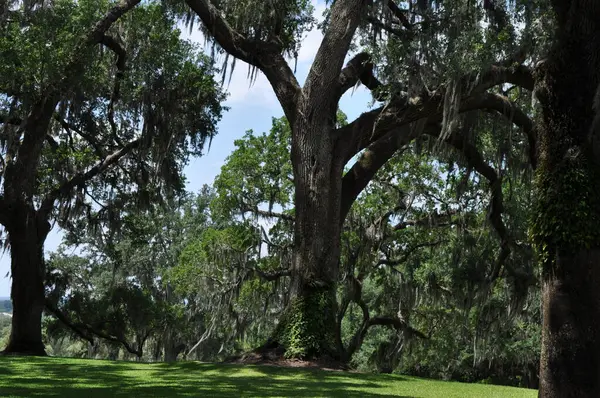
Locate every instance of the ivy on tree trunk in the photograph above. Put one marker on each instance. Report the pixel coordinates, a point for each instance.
(567, 212)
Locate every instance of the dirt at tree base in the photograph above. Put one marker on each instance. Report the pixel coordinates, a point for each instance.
(275, 357)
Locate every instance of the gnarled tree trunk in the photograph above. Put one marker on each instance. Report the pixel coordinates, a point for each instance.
(568, 209)
(171, 348)
(26, 235)
(308, 326)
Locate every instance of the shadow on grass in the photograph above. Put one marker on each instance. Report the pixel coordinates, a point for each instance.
(32, 377)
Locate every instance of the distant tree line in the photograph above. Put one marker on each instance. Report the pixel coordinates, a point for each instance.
(6, 306)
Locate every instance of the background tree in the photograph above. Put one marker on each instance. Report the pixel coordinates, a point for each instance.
(96, 109)
(120, 289)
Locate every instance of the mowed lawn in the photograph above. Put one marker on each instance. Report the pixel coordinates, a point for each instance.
(61, 377)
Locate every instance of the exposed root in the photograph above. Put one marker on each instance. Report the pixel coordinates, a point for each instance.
(275, 357)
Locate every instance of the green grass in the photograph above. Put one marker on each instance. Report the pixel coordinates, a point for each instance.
(62, 377)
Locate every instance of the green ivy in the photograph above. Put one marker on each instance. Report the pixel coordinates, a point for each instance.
(306, 329)
(567, 212)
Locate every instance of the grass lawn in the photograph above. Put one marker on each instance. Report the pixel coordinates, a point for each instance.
(62, 377)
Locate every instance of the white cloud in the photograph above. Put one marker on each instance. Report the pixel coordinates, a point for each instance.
(313, 39)
(239, 87)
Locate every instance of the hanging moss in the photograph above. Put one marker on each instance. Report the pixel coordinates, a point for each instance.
(307, 329)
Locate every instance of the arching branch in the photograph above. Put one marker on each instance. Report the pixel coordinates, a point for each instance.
(86, 331)
(83, 177)
(477, 162)
(266, 56)
(401, 110)
(374, 157)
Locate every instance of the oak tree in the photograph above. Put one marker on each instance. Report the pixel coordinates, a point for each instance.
(101, 103)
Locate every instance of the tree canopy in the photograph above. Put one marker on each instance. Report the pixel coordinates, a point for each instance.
(418, 213)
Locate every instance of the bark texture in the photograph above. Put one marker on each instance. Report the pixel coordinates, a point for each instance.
(571, 335)
(568, 208)
(308, 326)
(26, 235)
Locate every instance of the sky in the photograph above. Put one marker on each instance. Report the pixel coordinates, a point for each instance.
(251, 108)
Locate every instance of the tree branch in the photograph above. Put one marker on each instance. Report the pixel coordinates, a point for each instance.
(434, 219)
(83, 177)
(84, 330)
(89, 138)
(499, 104)
(266, 56)
(360, 68)
(399, 33)
(267, 213)
(372, 125)
(121, 54)
(272, 276)
(407, 253)
(13, 120)
(397, 324)
(19, 175)
(374, 157)
(477, 162)
(398, 13)
(65, 320)
(322, 91)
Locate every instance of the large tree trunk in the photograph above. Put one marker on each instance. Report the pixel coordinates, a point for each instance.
(308, 327)
(26, 235)
(570, 362)
(172, 350)
(568, 208)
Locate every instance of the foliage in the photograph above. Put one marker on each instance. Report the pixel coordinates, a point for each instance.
(120, 287)
(303, 334)
(553, 230)
(6, 306)
(149, 97)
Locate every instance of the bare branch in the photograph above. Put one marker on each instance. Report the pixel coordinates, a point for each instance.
(267, 213)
